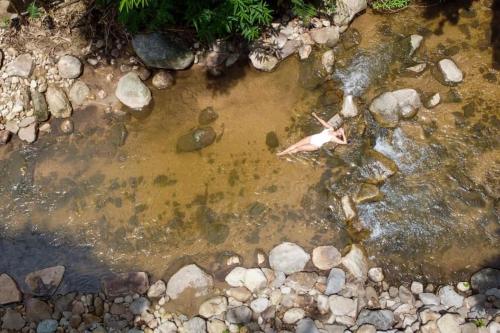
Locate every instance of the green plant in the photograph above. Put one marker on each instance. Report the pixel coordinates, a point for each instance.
(390, 5)
(33, 10)
(328, 7)
(479, 322)
(303, 10)
(5, 22)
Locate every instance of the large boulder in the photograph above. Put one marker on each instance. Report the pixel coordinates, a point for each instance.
(69, 67)
(59, 105)
(125, 283)
(9, 293)
(389, 107)
(162, 51)
(132, 92)
(189, 277)
(288, 258)
(45, 281)
(346, 10)
(22, 66)
(196, 140)
(263, 61)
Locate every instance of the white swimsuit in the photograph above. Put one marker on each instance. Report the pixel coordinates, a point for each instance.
(321, 138)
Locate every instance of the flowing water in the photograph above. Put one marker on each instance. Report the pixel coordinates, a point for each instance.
(117, 195)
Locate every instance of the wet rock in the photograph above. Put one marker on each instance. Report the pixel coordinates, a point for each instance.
(195, 325)
(288, 258)
(213, 307)
(343, 306)
(450, 298)
(301, 282)
(40, 108)
(351, 38)
(326, 257)
(78, 93)
(196, 140)
(69, 67)
(262, 61)
(157, 289)
(47, 326)
(415, 42)
(12, 320)
(356, 263)
(335, 281)
(349, 108)
(59, 105)
(236, 277)
(450, 323)
(328, 36)
(239, 315)
(37, 310)
(21, 66)
(305, 51)
(189, 277)
(367, 193)
(5, 136)
(450, 71)
(254, 279)
(348, 208)
(28, 134)
(312, 72)
(485, 279)
(293, 315)
(272, 141)
(381, 319)
(328, 61)
(433, 101)
(346, 10)
(132, 92)
(45, 281)
(162, 51)
(125, 283)
(139, 306)
(67, 126)
(207, 116)
(163, 80)
(376, 168)
(376, 274)
(389, 107)
(417, 288)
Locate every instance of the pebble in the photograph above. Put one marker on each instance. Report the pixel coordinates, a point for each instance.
(376, 274)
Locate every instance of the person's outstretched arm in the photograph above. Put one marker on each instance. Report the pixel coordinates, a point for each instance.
(324, 123)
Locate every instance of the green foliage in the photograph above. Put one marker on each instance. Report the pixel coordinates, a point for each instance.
(390, 5)
(328, 7)
(479, 322)
(33, 10)
(303, 10)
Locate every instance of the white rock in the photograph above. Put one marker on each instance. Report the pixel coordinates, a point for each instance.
(216, 326)
(348, 208)
(419, 68)
(356, 263)
(417, 287)
(326, 257)
(78, 93)
(132, 92)
(450, 298)
(463, 286)
(293, 315)
(429, 299)
(450, 323)
(189, 277)
(328, 36)
(288, 258)
(451, 72)
(213, 307)
(415, 41)
(254, 279)
(305, 51)
(346, 10)
(328, 61)
(434, 100)
(236, 277)
(376, 274)
(28, 133)
(22, 66)
(259, 305)
(343, 306)
(69, 67)
(157, 289)
(262, 61)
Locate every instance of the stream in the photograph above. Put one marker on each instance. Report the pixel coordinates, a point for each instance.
(117, 195)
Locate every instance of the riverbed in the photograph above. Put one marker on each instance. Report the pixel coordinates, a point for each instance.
(117, 195)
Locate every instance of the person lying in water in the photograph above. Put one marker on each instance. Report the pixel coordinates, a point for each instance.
(316, 141)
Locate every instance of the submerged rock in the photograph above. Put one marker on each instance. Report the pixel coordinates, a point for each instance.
(78, 93)
(125, 283)
(450, 71)
(45, 281)
(12, 320)
(162, 51)
(207, 116)
(132, 92)
(272, 141)
(367, 193)
(288, 258)
(196, 139)
(163, 80)
(40, 107)
(9, 293)
(389, 107)
(485, 279)
(213, 307)
(189, 277)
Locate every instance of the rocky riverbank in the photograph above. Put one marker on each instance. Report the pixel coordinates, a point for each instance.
(289, 290)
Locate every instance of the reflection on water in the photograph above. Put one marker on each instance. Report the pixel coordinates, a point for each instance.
(117, 194)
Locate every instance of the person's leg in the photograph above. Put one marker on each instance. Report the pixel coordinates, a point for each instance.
(305, 147)
(304, 141)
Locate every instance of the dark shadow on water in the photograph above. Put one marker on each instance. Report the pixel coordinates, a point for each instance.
(495, 34)
(221, 82)
(28, 250)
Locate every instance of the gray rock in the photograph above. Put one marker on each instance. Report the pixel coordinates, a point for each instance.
(163, 80)
(21, 66)
(167, 327)
(132, 92)
(376, 274)
(254, 279)
(213, 307)
(207, 116)
(290, 47)
(139, 306)
(162, 51)
(195, 325)
(12, 320)
(343, 306)
(40, 108)
(328, 61)
(288, 258)
(328, 36)
(381, 319)
(450, 298)
(326, 257)
(28, 133)
(450, 71)
(301, 282)
(356, 263)
(293, 315)
(389, 107)
(335, 281)
(239, 315)
(259, 305)
(306, 325)
(9, 293)
(125, 284)
(37, 310)
(47, 326)
(157, 289)
(417, 287)
(485, 279)
(196, 139)
(406, 295)
(450, 323)
(189, 277)
(262, 61)
(429, 299)
(69, 67)
(45, 281)
(78, 93)
(346, 10)
(59, 105)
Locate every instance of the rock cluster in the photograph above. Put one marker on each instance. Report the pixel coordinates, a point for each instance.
(328, 293)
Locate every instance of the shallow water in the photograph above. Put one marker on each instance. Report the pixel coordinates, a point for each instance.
(97, 205)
